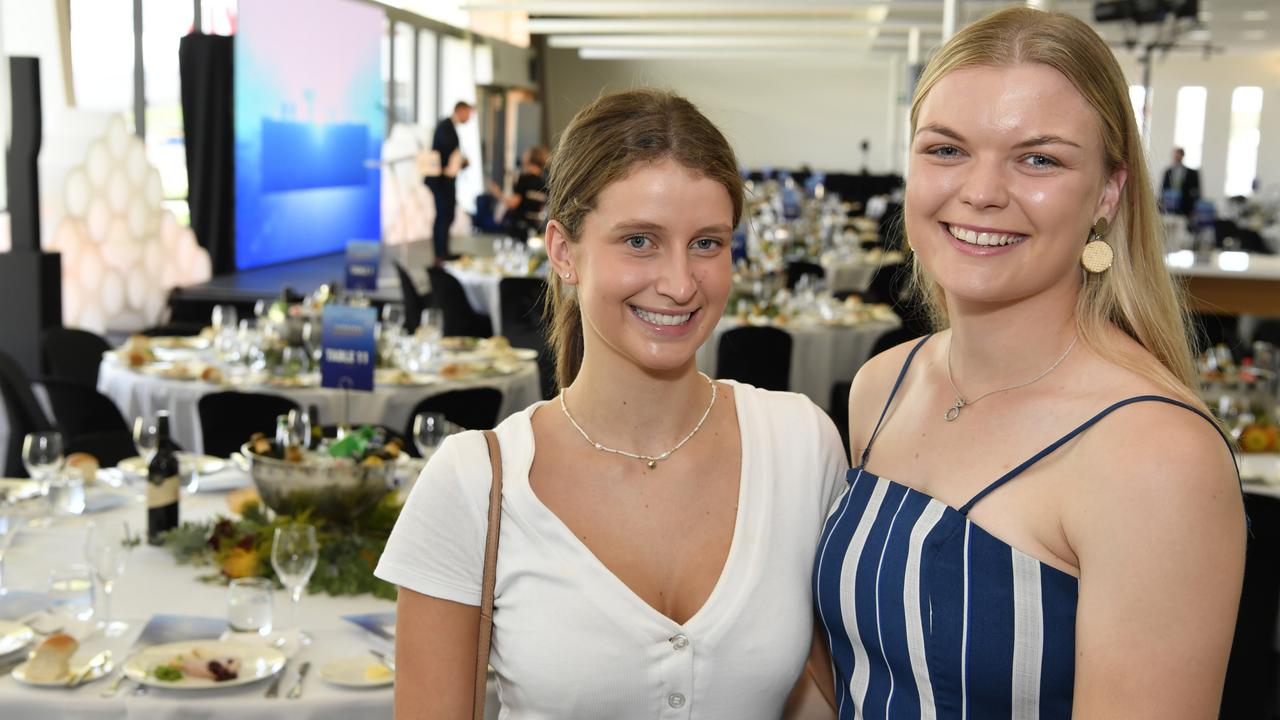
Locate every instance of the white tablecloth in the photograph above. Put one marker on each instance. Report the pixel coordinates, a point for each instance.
(481, 287)
(390, 405)
(853, 274)
(154, 584)
(821, 355)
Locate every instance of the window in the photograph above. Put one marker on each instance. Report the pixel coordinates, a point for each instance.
(1138, 98)
(164, 23)
(102, 54)
(1242, 144)
(403, 112)
(1188, 123)
(428, 108)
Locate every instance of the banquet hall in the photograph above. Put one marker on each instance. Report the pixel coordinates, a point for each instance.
(288, 247)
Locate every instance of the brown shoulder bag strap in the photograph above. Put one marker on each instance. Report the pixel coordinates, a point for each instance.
(490, 575)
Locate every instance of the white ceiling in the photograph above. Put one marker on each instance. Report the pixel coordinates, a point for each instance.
(836, 28)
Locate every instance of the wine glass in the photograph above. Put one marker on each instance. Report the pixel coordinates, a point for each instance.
(429, 430)
(311, 331)
(107, 554)
(260, 309)
(42, 457)
(294, 555)
(146, 438)
(223, 316)
(432, 324)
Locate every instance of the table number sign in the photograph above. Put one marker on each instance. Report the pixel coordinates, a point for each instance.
(363, 258)
(347, 347)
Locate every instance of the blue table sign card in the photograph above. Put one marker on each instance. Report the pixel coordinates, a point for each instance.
(363, 259)
(163, 629)
(348, 350)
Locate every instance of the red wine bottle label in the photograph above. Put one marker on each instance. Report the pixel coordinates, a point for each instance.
(166, 493)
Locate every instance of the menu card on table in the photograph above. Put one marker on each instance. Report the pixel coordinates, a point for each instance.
(363, 259)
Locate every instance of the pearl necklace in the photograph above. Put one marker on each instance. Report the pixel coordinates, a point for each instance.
(651, 460)
(953, 412)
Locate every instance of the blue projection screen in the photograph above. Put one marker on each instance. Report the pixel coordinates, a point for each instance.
(309, 122)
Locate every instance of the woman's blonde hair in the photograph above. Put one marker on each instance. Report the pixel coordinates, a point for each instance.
(601, 146)
(1137, 294)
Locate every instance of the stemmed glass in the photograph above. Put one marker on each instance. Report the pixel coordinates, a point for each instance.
(429, 430)
(393, 315)
(146, 438)
(42, 457)
(11, 520)
(294, 555)
(311, 339)
(107, 555)
(223, 316)
(432, 324)
(298, 423)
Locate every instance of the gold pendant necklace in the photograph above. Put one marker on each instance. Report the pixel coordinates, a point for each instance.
(651, 460)
(953, 412)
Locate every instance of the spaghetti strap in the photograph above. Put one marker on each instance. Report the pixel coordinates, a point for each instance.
(866, 452)
(964, 510)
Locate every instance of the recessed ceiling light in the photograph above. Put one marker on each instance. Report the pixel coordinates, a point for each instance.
(1255, 15)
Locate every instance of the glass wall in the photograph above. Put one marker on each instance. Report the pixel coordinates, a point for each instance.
(1188, 124)
(1242, 143)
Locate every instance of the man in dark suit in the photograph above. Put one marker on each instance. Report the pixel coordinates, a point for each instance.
(1181, 185)
(444, 186)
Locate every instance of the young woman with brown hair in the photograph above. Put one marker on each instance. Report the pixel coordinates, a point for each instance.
(658, 527)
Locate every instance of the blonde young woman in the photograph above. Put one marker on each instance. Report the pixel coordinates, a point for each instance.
(1043, 520)
(658, 528)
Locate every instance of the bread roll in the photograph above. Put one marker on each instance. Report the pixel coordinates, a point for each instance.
(52, 660)
(85, 464)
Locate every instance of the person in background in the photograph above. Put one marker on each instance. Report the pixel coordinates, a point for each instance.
(528, 197)
(1180, 186)
(444, 186)
(1044, 520)
(658, 527)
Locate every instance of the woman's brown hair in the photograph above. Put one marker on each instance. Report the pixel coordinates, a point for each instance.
(601, 146)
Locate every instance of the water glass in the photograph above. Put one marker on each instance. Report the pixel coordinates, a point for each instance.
(429, 430)
(294, 361)
(294, 555)
(432, 325)
(71, 592)
(66, 493)
(249, 605)
(11, 520)
(298, 423)
(311, 331)
(393, 315)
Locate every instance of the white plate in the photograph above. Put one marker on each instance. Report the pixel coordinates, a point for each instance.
(203, 464)
(256, 663)
(14, 637)
(20, 674)
(349, 672)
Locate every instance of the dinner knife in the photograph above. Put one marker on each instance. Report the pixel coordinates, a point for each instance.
(296, 691)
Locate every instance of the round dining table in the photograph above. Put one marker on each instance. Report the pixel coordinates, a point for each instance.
(481, 285)
(154, 584)
(138, 392)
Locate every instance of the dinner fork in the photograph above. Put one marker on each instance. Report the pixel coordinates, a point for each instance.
(274, 689)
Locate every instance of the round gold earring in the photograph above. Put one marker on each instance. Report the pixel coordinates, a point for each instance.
(1098, 255)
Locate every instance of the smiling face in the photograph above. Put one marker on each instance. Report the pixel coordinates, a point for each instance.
(651, 265)
(1006, 178)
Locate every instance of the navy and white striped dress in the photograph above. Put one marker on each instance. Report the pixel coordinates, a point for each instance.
(929, 616)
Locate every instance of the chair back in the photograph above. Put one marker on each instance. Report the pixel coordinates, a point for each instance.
(22, 411)
(227, 419)
(81, 409)
(413, 304)
(1249, 691)
(892, 338)
(759, 356)
(524, 326)
(800, 268)
(459, 319)
(473, 408)
(72, 354)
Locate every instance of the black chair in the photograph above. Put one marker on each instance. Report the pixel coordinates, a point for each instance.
(472, 409)
(23, 412)
(893, 338)
(72, 354)
(79, 409)
(799, 268)
(89, 421)
(523, 324)
(759, 356)
(413, 302)
(175, 329)
(227, 419)
(1267, 331)
(1249, 692)
(1213, 330)
(840, 410)
(459, 319)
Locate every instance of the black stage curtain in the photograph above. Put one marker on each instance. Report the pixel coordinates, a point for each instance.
(205, 63)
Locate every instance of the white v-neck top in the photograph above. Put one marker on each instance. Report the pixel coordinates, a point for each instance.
(570, 639)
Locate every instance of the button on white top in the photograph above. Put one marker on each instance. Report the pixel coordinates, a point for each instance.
(680, 642)
(675, 700)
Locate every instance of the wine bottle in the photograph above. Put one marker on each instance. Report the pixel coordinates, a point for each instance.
(163, 480)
